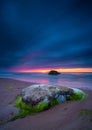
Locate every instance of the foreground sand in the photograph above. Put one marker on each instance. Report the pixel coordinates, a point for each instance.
(65, 116)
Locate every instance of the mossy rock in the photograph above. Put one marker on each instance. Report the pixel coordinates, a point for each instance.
(77, 95)
(22, 105)
(53, 102)
(26, 109)
(41, 107)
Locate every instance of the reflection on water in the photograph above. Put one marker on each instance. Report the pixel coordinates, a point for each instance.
(78, 80)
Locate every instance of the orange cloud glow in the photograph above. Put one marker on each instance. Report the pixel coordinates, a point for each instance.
(46, 70)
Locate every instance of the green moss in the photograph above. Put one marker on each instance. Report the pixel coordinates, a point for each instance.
(41, 107)
(90, 120)
(22, 113)
(53, 102)
(10, 88)
(26, 109)
(78, 96)
(85, 112)
(20, 104)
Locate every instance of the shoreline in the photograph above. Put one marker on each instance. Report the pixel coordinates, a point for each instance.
(30, 83)
(64, 116)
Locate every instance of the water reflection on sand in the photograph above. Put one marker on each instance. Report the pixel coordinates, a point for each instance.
(77, 80)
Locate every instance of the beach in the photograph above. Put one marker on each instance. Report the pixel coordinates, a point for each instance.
(65, 116)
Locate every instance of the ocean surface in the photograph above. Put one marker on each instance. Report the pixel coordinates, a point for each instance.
(75, 80)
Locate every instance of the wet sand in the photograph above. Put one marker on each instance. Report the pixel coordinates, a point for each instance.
(65, 116)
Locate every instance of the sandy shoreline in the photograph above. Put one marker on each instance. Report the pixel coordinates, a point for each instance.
(65, 116)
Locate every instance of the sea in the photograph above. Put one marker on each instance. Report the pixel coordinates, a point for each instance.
(73, 80)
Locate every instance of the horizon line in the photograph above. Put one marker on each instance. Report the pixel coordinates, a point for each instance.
(46, 70)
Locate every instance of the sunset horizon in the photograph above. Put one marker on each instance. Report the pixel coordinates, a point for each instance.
(46, 70)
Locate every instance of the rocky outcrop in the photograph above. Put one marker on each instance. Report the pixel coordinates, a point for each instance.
(44, 93)
(40, 97)
(53, 72)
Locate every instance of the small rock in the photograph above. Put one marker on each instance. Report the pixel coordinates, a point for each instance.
(53, 72)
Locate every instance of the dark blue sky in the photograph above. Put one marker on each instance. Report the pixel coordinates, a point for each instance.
(45, 34)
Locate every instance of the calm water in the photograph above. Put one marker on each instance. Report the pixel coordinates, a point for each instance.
(77, 80)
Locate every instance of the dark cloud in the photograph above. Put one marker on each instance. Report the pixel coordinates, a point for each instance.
(45, 33)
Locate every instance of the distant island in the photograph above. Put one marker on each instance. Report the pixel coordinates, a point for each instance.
(54, 72)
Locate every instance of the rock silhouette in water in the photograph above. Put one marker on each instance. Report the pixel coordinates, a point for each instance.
(53, 72)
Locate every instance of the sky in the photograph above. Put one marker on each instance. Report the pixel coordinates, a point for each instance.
(39, 35)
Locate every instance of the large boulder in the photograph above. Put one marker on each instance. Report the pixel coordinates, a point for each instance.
(43, 93)
(40, 97)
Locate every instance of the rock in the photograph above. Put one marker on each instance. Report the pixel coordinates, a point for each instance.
(40, 97)
(69, 92)
(53, 72)
(42, 93)
(61, 98)
(46, 99)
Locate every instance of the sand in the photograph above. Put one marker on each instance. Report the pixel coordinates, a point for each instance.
(65, 116)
